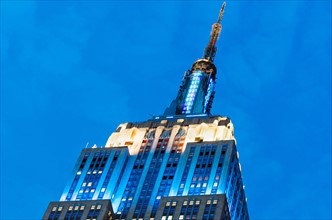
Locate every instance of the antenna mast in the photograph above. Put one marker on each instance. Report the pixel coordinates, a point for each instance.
(211, 49)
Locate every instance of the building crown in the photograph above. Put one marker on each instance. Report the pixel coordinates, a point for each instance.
(196, 92)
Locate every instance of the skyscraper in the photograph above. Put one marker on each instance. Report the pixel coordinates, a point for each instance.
(180, 165)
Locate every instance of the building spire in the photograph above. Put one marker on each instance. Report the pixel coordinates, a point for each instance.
(196, 92)
(211, 49)
(221, 13)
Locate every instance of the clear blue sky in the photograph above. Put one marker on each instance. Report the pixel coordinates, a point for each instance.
(72, 71)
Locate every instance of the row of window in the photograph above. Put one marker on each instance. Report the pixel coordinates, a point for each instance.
(190, 208)
(75, 211)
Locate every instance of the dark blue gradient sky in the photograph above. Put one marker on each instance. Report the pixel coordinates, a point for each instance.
(71, 71)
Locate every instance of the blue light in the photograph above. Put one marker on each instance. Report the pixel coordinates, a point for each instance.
(192, 91)
(209, 93)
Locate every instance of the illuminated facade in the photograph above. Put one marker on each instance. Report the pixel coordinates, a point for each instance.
(180, 165)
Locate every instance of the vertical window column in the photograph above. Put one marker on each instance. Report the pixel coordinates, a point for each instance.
(189, 209)
(108, 175)
(77, 177)
(169, 210)
(219, 170)
(168, 175)
(202, 171)
(210, 209)
(93, 175)
(186, 171)
(134, 179)
(151, 178)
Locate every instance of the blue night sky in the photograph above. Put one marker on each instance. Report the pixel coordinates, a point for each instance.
(72, 71)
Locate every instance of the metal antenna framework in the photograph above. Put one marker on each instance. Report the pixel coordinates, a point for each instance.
(211, 49)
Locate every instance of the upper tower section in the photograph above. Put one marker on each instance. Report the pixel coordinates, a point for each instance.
(196, 92)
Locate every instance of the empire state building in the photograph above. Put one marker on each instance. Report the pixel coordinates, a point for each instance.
(183, 164)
